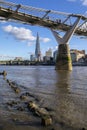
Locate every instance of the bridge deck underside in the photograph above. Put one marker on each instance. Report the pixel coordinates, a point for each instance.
(33, 20)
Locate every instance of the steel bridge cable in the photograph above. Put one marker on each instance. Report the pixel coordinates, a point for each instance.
(32, 8)
(40, 9)
(37, 10)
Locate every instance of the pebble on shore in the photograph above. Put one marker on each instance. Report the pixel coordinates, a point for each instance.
(4, 73)
(46, 120)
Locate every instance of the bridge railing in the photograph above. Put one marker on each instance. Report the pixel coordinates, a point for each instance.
(56, 16)
(39, 12)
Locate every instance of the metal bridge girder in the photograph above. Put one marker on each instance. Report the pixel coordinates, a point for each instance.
(31, 17)
(65, 39)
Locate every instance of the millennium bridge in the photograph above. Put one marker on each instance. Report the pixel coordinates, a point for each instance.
(55, 21)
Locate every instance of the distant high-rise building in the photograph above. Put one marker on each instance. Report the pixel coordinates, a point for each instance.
(37, 49)
(55, 55)
(49, 52)
(32, 57)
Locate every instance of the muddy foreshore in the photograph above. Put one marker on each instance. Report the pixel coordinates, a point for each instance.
(24, 110)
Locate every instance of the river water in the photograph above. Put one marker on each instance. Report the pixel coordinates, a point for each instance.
(63, 93)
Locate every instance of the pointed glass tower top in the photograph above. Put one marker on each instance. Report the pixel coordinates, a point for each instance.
(37, 49)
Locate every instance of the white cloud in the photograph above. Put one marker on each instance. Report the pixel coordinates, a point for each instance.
(85, 14)
(23, 34)
(56, 47)
(19, 33)
(45, 40)
(2, 20)
(30, 43)
(71, 0)
(84, 2)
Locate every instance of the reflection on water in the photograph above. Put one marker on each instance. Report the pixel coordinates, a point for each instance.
(70, 108)
(64, 92)
(63, 80)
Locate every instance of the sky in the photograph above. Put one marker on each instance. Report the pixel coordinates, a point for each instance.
(18, 40)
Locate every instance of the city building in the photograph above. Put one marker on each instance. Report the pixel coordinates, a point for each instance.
(49, 53)
(32, 57)
(55, 55)
(48, 56)
(77, 55)
(37, 49)
(18, 59)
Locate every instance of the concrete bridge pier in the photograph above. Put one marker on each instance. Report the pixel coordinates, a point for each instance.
(63, 61)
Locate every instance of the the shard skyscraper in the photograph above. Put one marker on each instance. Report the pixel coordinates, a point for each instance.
(37, 49)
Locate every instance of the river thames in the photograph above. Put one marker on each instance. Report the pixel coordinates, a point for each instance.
(63, 93)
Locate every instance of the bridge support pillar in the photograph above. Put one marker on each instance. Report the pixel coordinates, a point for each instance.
(63, 61)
